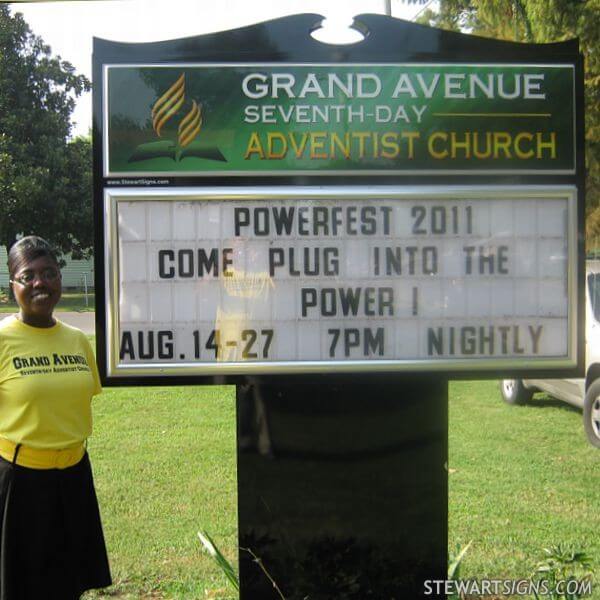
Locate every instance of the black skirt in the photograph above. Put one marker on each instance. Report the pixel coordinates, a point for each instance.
(51, 541)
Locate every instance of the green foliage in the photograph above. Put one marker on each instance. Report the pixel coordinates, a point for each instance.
(45, 178)
(455, 560)
(562, 563)
(541, 21)
(220, 560)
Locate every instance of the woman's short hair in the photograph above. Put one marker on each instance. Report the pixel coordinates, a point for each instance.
(27, 249)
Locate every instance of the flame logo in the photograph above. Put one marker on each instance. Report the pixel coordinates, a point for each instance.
(168, 105)
(171, 107)
(190, 125)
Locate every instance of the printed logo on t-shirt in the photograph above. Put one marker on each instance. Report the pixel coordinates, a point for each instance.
(54, 363)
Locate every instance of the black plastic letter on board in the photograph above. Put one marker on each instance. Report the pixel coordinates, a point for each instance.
(342, 478)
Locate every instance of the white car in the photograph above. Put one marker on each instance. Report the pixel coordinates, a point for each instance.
(583, 393)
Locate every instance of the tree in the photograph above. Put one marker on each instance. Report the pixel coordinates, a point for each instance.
(542, 21)
(45, 178)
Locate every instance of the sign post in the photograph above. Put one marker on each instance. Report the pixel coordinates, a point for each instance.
(338, 230)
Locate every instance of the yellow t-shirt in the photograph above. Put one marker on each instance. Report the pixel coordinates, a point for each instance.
(47, 379)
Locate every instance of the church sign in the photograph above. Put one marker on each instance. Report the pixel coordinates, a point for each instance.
(338, 231)
(272, 217)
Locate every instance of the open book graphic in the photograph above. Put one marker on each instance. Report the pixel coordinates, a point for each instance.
(167, 149)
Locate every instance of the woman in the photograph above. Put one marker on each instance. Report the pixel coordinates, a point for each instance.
(51, 541)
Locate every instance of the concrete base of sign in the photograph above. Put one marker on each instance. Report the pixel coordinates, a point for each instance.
(342, 489)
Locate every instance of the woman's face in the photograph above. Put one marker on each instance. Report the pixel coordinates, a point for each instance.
(37, 288)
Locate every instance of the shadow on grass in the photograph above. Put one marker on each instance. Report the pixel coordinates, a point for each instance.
(550, 402)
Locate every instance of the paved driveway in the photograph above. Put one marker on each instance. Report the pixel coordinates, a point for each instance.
(82, 320)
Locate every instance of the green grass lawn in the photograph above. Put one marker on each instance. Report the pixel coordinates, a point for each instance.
(69, 302)
(521, 479)
(164, 463)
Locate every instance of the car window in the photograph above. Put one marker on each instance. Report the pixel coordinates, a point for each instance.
(594, 290)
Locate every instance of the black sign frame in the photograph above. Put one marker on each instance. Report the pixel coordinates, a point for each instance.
(287, 40)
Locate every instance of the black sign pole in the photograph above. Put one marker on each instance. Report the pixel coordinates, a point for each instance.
(342, 488)
(342, 472)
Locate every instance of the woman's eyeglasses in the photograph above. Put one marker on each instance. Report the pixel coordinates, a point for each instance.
(28, 277)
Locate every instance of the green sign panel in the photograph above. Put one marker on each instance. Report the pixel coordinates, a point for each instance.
(339, 119)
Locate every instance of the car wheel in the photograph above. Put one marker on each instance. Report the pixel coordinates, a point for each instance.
(591, 414)
(514, 392)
